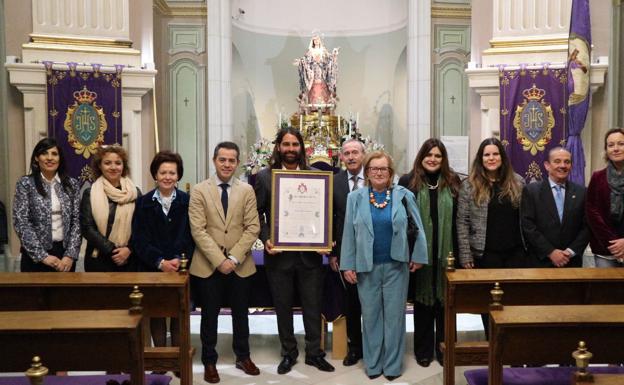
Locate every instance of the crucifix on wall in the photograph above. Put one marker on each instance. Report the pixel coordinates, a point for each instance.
(452, 99)
(186, 100)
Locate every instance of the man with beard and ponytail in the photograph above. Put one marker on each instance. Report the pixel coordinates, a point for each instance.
(287, 270)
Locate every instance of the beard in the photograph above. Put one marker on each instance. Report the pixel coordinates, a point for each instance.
(291, 157)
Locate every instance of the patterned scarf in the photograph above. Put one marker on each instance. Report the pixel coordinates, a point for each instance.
(423, 290)
(616, 184)
(101, 191)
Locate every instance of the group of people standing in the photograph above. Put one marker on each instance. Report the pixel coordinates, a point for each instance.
(490, 220)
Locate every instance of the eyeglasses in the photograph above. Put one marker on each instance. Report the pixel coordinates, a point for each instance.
(375, 170)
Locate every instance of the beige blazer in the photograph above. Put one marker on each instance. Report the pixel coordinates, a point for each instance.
(212, 231)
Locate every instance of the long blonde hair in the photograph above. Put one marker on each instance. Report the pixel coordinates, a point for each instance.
(481, 184)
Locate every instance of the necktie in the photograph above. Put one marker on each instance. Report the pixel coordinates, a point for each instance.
(559, 201)
(354, 178)
(224, 197)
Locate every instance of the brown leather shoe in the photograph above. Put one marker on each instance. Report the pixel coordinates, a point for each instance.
(210, 374)
(247, 366)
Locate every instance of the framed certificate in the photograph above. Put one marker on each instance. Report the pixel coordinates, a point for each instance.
(301, 210)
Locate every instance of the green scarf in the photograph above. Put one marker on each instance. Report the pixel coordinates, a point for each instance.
(423, 285)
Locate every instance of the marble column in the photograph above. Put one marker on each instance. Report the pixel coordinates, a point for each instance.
(219, 73)
(418, 75)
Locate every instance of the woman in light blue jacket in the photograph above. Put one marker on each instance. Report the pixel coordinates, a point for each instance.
(375, 255)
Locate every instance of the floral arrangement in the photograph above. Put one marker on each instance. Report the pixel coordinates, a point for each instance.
(258, 157)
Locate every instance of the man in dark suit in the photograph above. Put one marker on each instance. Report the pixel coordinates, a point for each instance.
(352, 155)
(288, 270)
(224, 225)
(553, 215)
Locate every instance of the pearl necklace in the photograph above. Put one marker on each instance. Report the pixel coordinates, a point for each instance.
(381, 205)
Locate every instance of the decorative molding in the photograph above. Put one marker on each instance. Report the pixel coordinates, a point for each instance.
(79, 41)
(515, 43)
(187, 38)
(450, 12)
(451, 38)
(182, 9)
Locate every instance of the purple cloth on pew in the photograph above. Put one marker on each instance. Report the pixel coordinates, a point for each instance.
(150, 379)
(536, 376)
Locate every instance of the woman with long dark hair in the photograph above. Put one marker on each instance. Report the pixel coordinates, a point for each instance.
(46, 212)
(436, 187)
(488, 213)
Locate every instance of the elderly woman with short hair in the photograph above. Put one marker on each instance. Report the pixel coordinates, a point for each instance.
(375, 256)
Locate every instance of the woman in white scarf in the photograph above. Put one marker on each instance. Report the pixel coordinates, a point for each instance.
(106, 212)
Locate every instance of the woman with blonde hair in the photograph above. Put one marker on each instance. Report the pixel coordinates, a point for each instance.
(375, 256)
(106, 212)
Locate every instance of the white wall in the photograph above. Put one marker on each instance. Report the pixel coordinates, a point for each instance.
(371, 80)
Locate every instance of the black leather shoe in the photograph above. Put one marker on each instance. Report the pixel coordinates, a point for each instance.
(351, 359)
(320, 363)
(373, 376)
(286, 365)
(424, 362)
(392, 378)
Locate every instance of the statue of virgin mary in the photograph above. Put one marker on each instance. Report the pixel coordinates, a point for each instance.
(318, 71)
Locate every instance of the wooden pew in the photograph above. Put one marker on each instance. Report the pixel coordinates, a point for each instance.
(468, 291)
(74, 340)
(165, 295)
(539, 335)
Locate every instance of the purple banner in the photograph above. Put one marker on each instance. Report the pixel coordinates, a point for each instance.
(84, 112)
(532, 117)
(579, 53)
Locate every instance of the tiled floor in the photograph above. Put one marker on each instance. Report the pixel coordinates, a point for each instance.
(265, 353)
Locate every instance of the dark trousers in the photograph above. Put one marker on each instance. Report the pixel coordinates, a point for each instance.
(425, 338)
(210, 292)
(353, 311)
(308, 281)
(509, 259)
(28, 265)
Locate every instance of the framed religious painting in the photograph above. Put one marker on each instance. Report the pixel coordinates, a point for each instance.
(301, 210)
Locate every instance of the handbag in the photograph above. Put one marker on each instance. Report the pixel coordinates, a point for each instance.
(412, 229)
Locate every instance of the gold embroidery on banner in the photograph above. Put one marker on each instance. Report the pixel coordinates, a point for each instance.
(85, 123)
(534, 120)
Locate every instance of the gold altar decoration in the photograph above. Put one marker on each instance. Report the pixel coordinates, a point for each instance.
(582, 356)
(37, 372)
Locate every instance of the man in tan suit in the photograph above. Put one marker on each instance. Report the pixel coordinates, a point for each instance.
(224, 225)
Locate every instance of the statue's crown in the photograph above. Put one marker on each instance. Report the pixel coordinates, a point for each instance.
(534, 93)
(84, 95)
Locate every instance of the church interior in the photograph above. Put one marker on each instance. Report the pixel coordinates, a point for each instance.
(188, 74)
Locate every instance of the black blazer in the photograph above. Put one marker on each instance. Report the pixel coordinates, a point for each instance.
(157, 236)
(544, 232)
(341, 190)
(285, 259)
(96, 240)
